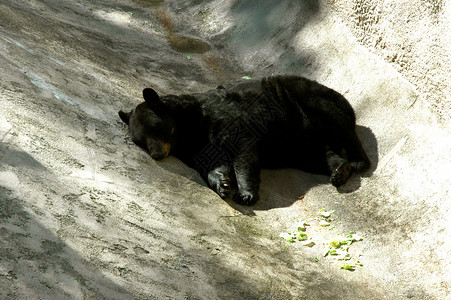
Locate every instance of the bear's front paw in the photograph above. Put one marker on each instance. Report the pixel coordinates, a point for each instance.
(224, 188)
(223, 184)
(245, 198)
(341, 174)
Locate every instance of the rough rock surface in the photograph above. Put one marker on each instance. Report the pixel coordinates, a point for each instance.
(413, 36)
(85, 214)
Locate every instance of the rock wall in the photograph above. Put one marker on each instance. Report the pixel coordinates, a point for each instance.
(414, 36)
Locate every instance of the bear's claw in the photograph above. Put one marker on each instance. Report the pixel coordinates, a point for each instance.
(222, 182)
(245, 198)
(341, 174)
(224, 188)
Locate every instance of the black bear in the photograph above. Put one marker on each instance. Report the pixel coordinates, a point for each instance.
(229, 133)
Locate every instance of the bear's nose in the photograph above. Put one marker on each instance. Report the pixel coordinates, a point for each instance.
(157, 156)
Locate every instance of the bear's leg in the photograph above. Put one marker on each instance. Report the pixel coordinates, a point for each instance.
(355, 152)
(222, 181)
(339, 167)
(247, 172)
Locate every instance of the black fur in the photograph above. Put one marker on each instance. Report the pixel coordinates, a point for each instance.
(229, 133)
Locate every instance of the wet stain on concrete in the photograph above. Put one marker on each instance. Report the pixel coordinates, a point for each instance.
(149, 3)
(185, 44)
(178, 42)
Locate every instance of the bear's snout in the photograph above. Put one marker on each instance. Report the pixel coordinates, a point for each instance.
(158, 150)
(158, 156)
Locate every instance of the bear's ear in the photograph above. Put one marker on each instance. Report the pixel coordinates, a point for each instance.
(154, 102)
(150, 95)
(124, 116)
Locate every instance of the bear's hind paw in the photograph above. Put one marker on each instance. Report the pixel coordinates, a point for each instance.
(341, 174)
(245, 198)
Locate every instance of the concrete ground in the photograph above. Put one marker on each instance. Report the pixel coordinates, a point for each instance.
(85, 214)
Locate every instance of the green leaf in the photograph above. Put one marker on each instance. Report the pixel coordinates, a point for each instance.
(309, 243)
(326, 214)
(302, 236)
(287, 236)
(301, 225)
(348, 267)
(324, 224)
(327, 252)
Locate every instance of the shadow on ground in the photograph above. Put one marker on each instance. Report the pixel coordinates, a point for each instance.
(35, 261)
(283, 187)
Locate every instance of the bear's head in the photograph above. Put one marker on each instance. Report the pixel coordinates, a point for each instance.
(151, 125)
